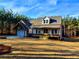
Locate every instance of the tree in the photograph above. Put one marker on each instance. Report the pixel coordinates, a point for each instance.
(70, 24)
(2, 19)
(7, 18)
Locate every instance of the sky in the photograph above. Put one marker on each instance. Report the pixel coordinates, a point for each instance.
(39, 8)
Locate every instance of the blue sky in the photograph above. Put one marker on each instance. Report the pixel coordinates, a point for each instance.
(38, 8)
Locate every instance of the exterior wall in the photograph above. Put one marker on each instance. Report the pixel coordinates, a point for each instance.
(34, 31)
(37, 31)
(41, 31)
(21, 33)
(58, 32)
(50, 31)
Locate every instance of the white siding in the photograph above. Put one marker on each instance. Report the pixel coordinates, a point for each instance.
(42, 32)
(50, 32)
(54, 31)
(58, 31)
(38, 31)
(34, 31)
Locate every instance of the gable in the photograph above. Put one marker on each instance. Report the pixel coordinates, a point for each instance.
(46, 18)
(23, 25)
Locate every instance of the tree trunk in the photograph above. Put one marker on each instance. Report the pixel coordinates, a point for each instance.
(2, 27)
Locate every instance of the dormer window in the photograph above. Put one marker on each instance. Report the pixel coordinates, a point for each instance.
(46, 20)
(53, 21)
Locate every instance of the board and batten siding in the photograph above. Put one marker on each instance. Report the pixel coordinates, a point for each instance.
(21, 33)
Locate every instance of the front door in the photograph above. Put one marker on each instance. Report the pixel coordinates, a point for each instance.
(45, 30)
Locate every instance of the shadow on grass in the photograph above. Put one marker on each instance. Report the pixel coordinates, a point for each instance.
(70, 39)
(44, 50)
(65, 39)
(67, 52)
(20, 57)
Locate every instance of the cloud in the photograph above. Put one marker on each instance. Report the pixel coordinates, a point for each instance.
(42, 7)
(22, 7)
(46, 8)
(52, 2)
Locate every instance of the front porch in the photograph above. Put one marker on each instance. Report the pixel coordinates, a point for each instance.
(51, 32)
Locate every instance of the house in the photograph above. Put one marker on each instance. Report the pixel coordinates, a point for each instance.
(22, 28)
(49, 25)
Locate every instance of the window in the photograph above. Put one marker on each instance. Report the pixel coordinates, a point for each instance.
(53, 21)
(46, 21)
(45, 30)
(34, 31)
(56, 31)
(39, 32)
(52, 31)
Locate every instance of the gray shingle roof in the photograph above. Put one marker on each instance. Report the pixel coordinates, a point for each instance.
(38, 22)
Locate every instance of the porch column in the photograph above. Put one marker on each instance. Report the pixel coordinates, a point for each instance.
(58, 31)
(50, 32)
(53, 31)
(41, 31)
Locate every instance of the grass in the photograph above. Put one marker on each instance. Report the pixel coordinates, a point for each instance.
(42, 48)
